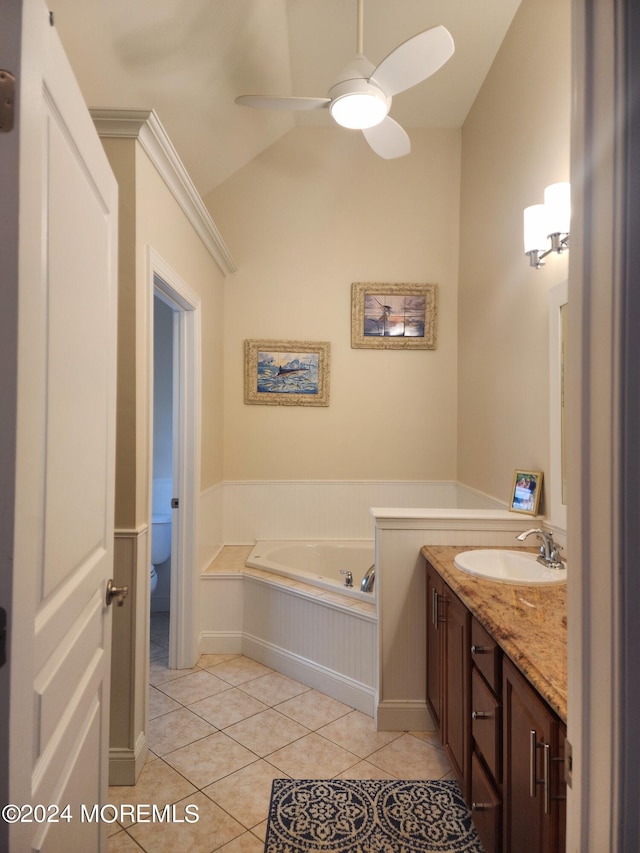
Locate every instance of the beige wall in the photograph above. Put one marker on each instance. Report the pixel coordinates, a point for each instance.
(163, 226)
(121, 156)
(314, 213)
(150, 216)
(515, 142)
(318, 211)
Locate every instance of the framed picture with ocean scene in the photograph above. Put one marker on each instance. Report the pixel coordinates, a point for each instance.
(393, 316)
(286, 373)
(527, 490)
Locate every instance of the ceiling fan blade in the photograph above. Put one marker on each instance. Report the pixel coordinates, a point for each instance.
(414, 60)
(283, 103)
(388, 139)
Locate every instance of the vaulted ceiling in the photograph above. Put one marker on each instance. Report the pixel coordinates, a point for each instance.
(189, 59)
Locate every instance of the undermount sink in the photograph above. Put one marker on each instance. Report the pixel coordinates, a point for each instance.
(516, 567)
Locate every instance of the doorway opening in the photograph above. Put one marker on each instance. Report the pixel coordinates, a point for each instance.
(175, 458)
(162, 471)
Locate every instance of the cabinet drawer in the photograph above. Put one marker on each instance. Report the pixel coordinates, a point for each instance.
(486, 656)
(486, 808)
(486, 724)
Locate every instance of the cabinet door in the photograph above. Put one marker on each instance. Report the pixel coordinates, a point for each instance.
(532, 813)
(434, 632)
(456, 704)
(486, 724)
(486, 807)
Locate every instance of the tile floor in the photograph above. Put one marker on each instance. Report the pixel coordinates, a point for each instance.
(221, 732)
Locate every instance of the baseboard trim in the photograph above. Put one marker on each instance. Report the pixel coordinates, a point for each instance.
(404, 716)
(333, 684)
(220, 643)
(125, 765)
(339, 687)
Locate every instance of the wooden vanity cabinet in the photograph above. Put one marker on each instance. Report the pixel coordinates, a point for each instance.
(448, 673)
(456, 684)
(486, 711)
(533, 738)
(434, 651)
(486, 741)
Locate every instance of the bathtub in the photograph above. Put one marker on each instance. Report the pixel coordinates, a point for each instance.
(317, 563)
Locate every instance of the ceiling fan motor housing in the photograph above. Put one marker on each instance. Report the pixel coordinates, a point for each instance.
(357, 102)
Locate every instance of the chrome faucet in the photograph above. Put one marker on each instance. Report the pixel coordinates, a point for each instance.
(549, 550)
(366, 584)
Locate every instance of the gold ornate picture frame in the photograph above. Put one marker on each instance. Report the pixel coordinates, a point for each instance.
(286, 373)
(394, 316)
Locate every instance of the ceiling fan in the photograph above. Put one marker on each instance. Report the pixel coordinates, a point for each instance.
(360, 98)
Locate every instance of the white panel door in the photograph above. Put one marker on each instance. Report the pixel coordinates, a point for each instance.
(61, 493)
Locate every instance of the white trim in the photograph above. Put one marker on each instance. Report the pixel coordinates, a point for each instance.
(186, 303)
(221, 642)
(353, 693)
(341, 688)
(125, 765)
(602, 811)
(409, 518)
(130, 532)
(331, 509)
(211, 524)
(375, 483)
(145, 126)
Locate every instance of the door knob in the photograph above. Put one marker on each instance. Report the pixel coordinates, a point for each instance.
(117, 592)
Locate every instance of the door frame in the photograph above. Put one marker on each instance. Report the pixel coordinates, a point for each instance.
(604, 412)
(168, 286)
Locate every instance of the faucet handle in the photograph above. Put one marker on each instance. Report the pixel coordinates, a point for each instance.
(348, 581)
(555, 551)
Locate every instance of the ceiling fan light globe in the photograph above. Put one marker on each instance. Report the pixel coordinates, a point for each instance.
(358, 110)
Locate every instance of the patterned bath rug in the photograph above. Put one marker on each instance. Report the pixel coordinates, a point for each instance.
(370, 816)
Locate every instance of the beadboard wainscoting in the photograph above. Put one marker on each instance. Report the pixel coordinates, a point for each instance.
(334, 647)
(210, 525)
(402, 604)
(374, 662)
(302, 632)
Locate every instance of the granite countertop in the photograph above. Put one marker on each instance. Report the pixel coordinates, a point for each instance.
(529, 623)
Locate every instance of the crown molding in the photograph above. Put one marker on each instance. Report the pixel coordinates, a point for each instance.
(145, 126)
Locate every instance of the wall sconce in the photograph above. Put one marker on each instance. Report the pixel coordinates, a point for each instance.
(547, 226)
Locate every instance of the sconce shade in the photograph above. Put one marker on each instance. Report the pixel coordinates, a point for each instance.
(557, 203)
(535, 228)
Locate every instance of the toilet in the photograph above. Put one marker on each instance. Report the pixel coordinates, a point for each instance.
(160, 526)
(160, 544)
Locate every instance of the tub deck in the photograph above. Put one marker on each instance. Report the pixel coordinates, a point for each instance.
(232, 560)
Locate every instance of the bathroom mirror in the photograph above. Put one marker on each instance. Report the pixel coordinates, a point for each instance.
(557, 480)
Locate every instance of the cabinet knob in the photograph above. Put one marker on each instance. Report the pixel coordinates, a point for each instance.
(479, 650)
(480, 807)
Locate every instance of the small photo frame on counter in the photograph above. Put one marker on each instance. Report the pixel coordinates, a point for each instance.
(526, 493)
